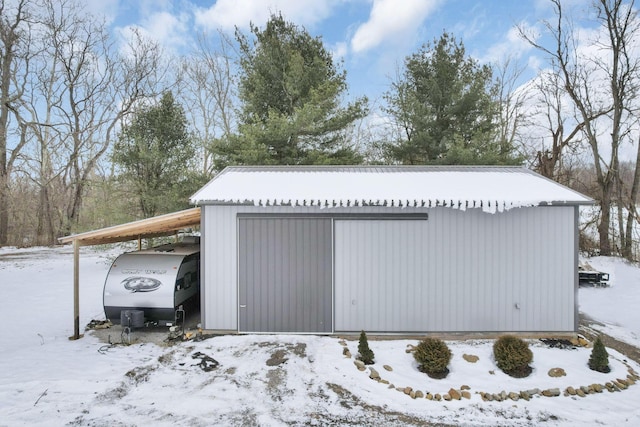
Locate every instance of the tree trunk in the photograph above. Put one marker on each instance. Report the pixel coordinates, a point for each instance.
(45, 235)
(4, 209)
(627, 249)
(4, 173)
(605, 219)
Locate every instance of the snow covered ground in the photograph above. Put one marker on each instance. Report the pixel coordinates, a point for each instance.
(48, 380)
(617, 306)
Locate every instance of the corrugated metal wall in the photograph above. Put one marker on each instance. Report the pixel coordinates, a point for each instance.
(219, 266)
(285, 278)
(457, 271)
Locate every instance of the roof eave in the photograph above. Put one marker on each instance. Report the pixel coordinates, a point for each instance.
(163, 225)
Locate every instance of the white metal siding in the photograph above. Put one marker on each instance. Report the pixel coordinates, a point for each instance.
(477, 265)
(458, 271)
(219, 290)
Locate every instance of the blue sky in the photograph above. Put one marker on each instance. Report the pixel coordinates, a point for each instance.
(370, 37)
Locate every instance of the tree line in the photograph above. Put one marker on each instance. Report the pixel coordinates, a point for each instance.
(94, 132)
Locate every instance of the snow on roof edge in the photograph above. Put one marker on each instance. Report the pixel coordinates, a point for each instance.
(270, 190)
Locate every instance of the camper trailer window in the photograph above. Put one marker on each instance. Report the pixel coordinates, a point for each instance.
(188, 279)
(179, 284)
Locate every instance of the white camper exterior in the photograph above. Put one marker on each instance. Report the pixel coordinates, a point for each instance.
(155, 281)
(388, 250)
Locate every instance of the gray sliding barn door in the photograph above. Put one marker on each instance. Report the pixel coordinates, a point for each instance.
(285, 274)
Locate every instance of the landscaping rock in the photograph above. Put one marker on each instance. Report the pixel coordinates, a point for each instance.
(620, 385)
(551, 392)
(412, 394)
(387, 368)
(437, 397)
(419, 394)
(471, 358)
(373, 374)
(524, 395)
(455, 394)
(597, 388)
(557, 372)
(580, 393)
(382, 381)
(466, 394)
(359, 364)
(514, 396)
(429, 396)
(465, 387)
(584, 389)
(346, 353)
(342, 343)
(623, 381)
(410, 348)
(447, 397)
(533, 391)
(579, 341)
(571, 391)
(407, 390)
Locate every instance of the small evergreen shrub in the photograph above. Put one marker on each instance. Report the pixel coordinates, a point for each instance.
(366, 354)
(599, 359)
(513, 356)
(433, 357)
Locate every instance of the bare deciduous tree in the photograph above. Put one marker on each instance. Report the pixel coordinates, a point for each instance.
(14, 61)
(100, 86)
(601, 86)
(512, 115)
(211, 91)
(79, 89)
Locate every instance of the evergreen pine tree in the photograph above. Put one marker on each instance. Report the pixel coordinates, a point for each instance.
(599, 360)
(366, 354)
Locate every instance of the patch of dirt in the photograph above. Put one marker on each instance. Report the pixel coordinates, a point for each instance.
(167, 358)
(140, 374)
(299, 349)
(373, 414)
(117, 393)
(278, 357)
(585, 329)
(275, 384)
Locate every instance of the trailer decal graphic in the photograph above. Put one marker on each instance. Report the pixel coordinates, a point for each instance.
(141, 284)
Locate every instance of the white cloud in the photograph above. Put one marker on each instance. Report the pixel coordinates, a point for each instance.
(339, 50)
(391, 20)
(170, 31)
(227, 14)
(512, 46)
(108, 9)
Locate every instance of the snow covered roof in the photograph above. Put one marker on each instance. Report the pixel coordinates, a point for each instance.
(494, 189)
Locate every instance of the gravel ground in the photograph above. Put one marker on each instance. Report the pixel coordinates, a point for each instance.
(585, 329)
